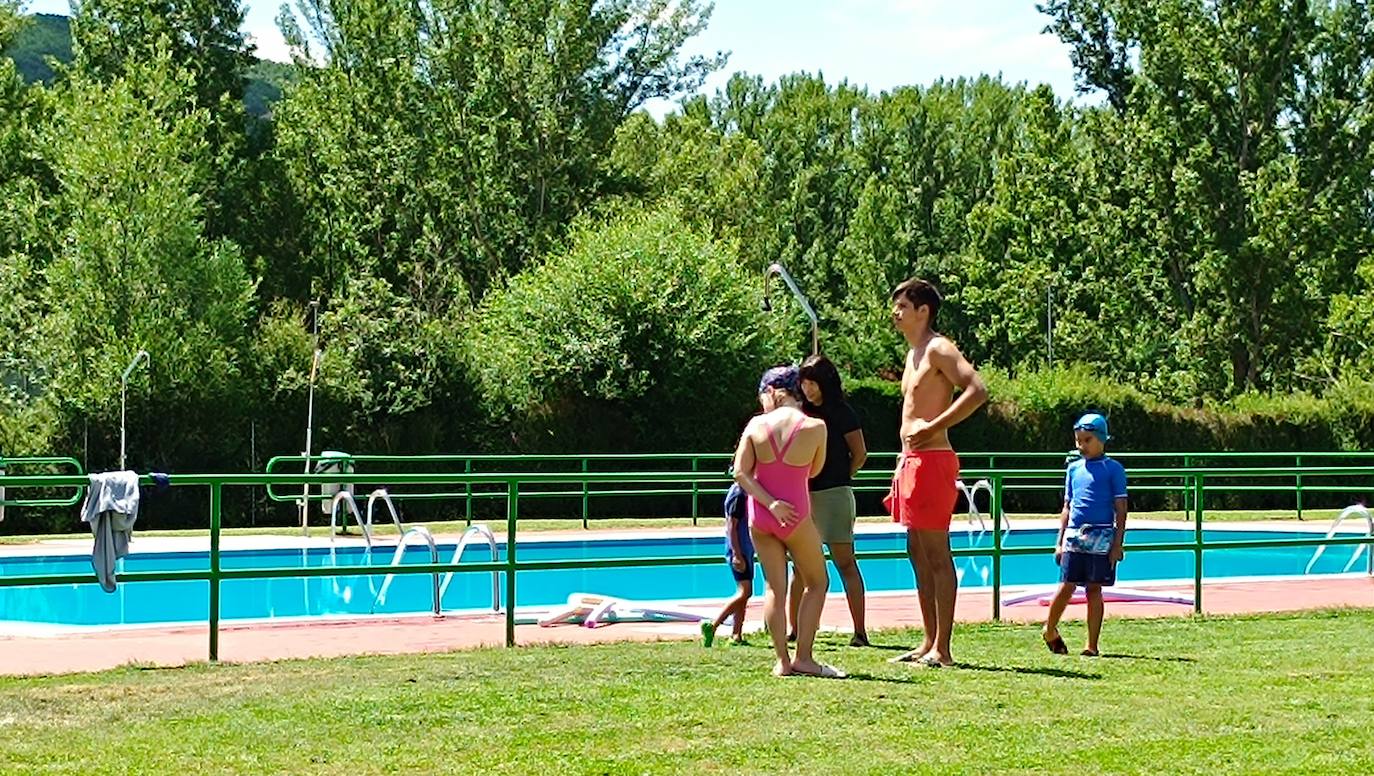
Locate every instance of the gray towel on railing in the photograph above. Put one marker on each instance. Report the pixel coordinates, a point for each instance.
(111, 507)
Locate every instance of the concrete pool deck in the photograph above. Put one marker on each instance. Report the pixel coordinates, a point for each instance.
(48, 650)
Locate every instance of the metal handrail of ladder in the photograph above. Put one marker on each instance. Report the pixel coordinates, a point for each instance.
(396, 558)
(480, 530)
(1354, 510)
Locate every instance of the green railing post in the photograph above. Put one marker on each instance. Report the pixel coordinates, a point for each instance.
(467, 469)
(695, 489)
(512, 508)
(1197, 542)
(995, 505)
(1297, 462)
(1187, 486)
(215, 494)
(586, 494)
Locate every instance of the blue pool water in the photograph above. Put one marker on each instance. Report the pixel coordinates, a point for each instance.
(351, 594)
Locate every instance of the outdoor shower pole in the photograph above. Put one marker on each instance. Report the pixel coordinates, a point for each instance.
(123, 390)
(310, 415)
(780, 271)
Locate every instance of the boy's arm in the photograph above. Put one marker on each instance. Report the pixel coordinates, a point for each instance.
(973, 393)
(1063, 516)
(1120, 502)
(1063, 526)
(732, 532)
(1119, 535)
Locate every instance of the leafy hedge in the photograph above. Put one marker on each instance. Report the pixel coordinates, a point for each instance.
(642, 335)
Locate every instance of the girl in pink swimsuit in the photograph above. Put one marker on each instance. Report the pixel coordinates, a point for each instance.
(784, 482)
(780, 515)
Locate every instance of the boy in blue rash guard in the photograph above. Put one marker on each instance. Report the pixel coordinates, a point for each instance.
(1092, 527)
(739, 553)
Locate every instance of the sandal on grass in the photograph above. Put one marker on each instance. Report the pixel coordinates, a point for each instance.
(826, 672)
(1057, 645)
(708, 633)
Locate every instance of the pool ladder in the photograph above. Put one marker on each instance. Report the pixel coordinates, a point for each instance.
(1351, 511)
(345, 499)
(975, 516)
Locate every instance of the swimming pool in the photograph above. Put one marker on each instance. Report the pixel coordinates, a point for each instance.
(353, 595)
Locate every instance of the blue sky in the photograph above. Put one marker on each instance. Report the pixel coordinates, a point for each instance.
(876, 43)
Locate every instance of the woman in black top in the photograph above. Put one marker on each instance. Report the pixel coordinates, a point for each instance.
(832, 492)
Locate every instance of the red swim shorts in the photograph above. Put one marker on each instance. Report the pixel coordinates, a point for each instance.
(924, 490)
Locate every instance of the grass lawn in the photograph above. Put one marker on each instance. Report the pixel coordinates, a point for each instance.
(1271, 694)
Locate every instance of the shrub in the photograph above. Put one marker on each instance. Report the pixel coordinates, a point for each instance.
(642, 335)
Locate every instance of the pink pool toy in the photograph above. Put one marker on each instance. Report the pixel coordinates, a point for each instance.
(1119, 595)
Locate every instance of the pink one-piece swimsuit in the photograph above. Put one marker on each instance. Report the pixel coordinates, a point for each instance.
(784, 482)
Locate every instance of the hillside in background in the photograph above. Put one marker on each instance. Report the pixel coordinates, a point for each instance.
(50, 35)
(46, 36)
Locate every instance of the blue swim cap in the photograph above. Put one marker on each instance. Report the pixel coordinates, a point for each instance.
(1094, 423)
(787, 378)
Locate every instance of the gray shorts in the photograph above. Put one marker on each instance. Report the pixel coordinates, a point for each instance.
(834, 512)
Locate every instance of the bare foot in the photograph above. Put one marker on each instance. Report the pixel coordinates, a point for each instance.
(935, 659)
(782, 669)
(907, 657)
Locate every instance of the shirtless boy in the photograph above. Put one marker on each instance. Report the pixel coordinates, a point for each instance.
(923, 486)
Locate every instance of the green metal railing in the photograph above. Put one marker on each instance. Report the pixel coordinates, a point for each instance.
(514, 486)
(714, 479)
(9, 465)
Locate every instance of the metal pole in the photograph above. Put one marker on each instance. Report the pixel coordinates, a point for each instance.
(215, 494)
(586, 466)
(1049, 322)
(996, 507)
(123, 390)
(512, 507)
(780, 271)
(696, 487)
(1187, 490)
(1297, 461)
(1197, 541)
(310, 416)
(253, 465)
(467, 468)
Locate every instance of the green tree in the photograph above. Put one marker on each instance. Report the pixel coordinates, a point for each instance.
(205, 39)
(135, 270)
(1232, 199)
(25, 183)
(443, 147)
(642, 334)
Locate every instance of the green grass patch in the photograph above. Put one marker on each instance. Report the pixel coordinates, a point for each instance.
(1269, 694)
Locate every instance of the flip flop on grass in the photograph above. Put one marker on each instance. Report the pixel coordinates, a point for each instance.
(826, 672)
(1057, 645)
(708, 633)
